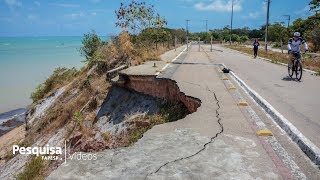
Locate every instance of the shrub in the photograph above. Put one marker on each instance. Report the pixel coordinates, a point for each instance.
(32, 169)
(106, 136)
(243, 39)
(59, 77)
(314, 37)
(135, 134)
(91, 43)
(39, 93)
(173, 111)
(77, 118)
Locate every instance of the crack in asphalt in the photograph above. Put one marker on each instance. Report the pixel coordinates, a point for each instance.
(205, 145)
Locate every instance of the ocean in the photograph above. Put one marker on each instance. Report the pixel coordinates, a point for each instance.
(25, 62)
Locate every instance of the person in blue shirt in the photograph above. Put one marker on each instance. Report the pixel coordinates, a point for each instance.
(256, 45)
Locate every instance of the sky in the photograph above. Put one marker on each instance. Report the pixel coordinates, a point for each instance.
(76, 17)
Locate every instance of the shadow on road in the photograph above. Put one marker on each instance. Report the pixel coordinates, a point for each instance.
(288, 78)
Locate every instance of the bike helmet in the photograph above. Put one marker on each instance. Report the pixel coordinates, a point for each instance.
(296, 34)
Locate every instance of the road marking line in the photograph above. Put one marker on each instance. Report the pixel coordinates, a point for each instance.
(165, 67)
(264, 132)
(243, 104)
(310, 149)
(284, 163)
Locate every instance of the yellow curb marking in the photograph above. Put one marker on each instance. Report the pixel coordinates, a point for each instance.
(243, 104)
(264, 132)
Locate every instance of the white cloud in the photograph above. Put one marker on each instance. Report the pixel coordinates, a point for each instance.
(305, 10)
(253, 15)
(93, 13)
(32, 17)
(95, 1)
(258, 13)
(13, 3)
(37, 3)
(65, 5)
(219, 6)
(102, 10)
(7, 19)
(74, 16)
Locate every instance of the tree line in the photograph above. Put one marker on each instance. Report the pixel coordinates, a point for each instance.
(278, 32)
(144, 30)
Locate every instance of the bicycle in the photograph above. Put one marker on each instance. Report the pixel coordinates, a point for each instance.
(296, 66)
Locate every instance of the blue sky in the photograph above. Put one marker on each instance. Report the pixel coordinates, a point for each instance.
(75, 17)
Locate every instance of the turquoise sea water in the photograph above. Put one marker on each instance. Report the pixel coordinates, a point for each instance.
(26, 62)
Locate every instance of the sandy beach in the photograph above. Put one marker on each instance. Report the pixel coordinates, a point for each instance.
(7, 140)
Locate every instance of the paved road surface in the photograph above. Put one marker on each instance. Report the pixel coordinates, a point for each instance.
(218, 141)
(299, 102)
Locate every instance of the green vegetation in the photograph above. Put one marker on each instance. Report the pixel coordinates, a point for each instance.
(91, 43)
(314, 37)
(314, 5)
(173, 111)
(143, 38)
(278, 33)
(32, 170)
(135, 134)
(77, 118)
(168, 112)
(60, 77)
(106, 136)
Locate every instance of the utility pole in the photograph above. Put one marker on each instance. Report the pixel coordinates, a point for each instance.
(175, 43)
(206, 25)
(267, 24)
(231, 22)
(288, 16)
(187, 36)
(199, 43)
(211, 43)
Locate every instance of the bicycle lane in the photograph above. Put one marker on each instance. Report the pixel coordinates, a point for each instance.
(297, 101)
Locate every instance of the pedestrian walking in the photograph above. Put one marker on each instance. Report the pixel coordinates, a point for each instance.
(256, 45)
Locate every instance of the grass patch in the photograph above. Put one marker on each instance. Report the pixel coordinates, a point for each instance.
(276, 57)
(9, 154)
(59, 78)
(32, 170)
(135, 134)
(169, 112)
(106, 136)
(173, 111)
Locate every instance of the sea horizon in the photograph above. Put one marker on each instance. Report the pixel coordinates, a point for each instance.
(27, 61)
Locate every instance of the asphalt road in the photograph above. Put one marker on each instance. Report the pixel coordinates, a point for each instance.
(299, 102)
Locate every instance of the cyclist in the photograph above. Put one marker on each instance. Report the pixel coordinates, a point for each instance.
(294, 47)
